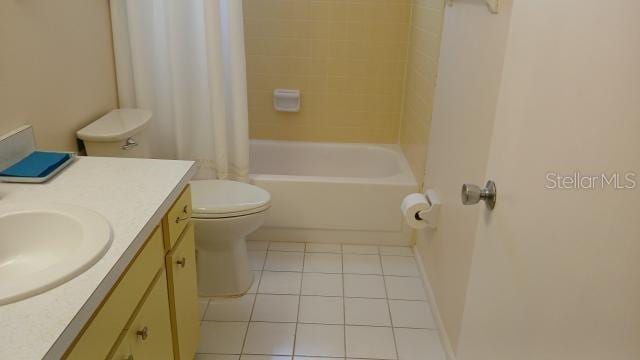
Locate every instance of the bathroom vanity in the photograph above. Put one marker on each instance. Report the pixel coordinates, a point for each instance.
(139, 301)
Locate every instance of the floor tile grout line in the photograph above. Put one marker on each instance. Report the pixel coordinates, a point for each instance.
(323, 252)
(206, 308)
(322, 296)
(394, 255)
(288, 356)
(393, 333)
(253, 306)
(337, 273)
(286, 251)
(295, 332)
(321, 323)
(344, 305)
(348, 297)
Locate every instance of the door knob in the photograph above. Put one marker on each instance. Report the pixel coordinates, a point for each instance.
(472, 194)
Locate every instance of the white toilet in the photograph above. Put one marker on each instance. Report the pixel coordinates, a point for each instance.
(224, 212)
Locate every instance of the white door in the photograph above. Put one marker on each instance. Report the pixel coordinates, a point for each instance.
(555, 273)
(470, 69)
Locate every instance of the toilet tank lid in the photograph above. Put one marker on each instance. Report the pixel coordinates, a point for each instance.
(118, 124)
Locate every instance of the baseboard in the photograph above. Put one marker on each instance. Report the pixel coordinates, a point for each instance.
(444, 338)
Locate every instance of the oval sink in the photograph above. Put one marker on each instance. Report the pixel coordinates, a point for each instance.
(45, 245)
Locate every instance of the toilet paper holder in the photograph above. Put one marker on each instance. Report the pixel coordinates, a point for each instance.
(420, 210)
(430, 216)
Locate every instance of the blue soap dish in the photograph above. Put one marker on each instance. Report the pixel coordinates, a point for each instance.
(40, 179)
(20, 162)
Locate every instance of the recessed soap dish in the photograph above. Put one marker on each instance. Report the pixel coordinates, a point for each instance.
(286, 100)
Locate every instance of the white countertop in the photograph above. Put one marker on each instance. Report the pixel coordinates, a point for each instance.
(133, 194)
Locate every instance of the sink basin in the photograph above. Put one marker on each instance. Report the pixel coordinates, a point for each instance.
(45, 245)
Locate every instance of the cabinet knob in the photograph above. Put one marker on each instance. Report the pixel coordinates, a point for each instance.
(144, 333)
(182, 262)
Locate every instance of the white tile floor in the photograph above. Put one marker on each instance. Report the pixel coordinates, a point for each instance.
(324, 301)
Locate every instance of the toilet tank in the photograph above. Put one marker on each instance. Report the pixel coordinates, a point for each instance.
(120, 133)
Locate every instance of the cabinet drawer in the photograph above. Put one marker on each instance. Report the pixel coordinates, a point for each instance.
(148, 336)
(102, 331)
(183, 295)
(177, 218)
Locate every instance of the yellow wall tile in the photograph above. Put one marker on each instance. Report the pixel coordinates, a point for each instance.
(423, 53)
(348, 58)
(366, 69)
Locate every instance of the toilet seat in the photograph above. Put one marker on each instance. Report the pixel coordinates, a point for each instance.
(216, 199)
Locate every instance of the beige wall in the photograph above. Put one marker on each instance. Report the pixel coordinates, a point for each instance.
(347, 57)
(472, 52)
(422, 68)
(56, 67)
(556, 273)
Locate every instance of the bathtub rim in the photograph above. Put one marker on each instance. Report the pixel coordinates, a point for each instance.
(400, 180)
(404, 177)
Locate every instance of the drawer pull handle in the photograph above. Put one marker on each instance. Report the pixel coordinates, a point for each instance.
(182, 262)
(178, 219)
(185, 211)
(143, 334)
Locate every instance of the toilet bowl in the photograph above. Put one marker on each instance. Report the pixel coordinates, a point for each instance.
(224, 213)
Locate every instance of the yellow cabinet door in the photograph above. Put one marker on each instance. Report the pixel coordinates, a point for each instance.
(148, 337)
(102, 332)
(183, 293)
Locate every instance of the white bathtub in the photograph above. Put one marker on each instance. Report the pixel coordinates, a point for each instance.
(332, 193)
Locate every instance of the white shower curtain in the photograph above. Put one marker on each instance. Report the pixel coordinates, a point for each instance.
(185, 61)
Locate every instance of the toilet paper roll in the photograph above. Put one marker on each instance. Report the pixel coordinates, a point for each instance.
(411, 207)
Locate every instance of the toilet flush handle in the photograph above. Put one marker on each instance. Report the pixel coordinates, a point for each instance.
(129, 144)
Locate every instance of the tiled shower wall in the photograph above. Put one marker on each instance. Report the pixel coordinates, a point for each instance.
(348, 58)
(422, 68)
